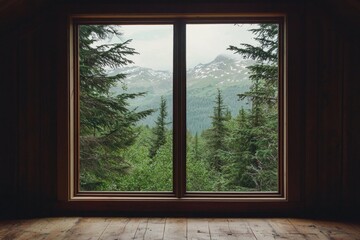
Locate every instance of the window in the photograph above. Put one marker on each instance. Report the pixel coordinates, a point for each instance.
(178, 107)
(125, 106)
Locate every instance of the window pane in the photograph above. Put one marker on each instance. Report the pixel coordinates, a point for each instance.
(125, 107)
(232, 107)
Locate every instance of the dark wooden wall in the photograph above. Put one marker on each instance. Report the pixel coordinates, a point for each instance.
(28, 120)
(332, 161)
(32, 47)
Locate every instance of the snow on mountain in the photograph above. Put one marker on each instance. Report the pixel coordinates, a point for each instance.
(144, 79)
(222, 71)
(226, 73)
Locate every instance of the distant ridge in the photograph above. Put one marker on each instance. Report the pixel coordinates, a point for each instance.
(225, 72)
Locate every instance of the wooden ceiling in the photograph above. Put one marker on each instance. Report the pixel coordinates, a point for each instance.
(14, 11)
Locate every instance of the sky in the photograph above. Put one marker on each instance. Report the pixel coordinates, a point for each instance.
(204, 42)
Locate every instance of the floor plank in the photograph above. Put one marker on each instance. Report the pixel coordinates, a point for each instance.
(155, 229)
(6, 226)
(241, 229)
(130, 229)
(354, 226)
(46, 228)
(24, 228)
(175, 229)
(115, 228)
(337, 230)
(57, 228)
(198, 229)
(308, 228)
(285, 230)
(141, 230)
(35, 230)
(88, 228)
(219, 229)
(262, 229)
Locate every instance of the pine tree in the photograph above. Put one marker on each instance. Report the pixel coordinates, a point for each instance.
(259, 150)
(159, 130)
(217, 133)
(196, 147)
(264, 74)
(239, 155)
(106, 122)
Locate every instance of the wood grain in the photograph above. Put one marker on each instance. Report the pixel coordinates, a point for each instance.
(155, 229)
(198, 229)
(324, 102)
(175, 228)
(178, 229)
(88, 228)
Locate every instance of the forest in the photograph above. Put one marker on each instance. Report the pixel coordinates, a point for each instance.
(237, 153)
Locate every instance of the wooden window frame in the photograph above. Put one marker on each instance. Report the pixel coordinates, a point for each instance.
(180, 201)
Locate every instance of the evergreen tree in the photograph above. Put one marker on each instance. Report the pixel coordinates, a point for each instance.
(239, 153)
(217, 133)
(159, 130)
(106, 122)
(264, 74)
(196, 147)
(258, 149)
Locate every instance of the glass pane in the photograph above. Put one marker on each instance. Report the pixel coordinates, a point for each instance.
(126, 107)
(232, 107)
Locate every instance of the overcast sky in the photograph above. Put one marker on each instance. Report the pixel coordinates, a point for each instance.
(154, 43)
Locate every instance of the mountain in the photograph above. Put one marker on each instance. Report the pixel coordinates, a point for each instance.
(140, 79)
(226, 73)
(223, 71)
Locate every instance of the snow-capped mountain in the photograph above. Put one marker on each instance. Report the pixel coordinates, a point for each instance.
(226, 73)
(223, 70)
(140, 79)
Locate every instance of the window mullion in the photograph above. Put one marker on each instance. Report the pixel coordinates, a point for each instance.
(179, 114)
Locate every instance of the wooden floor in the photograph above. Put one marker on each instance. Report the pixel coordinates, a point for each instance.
(177, 228)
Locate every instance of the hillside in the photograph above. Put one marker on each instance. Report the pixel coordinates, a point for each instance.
(224, 72)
